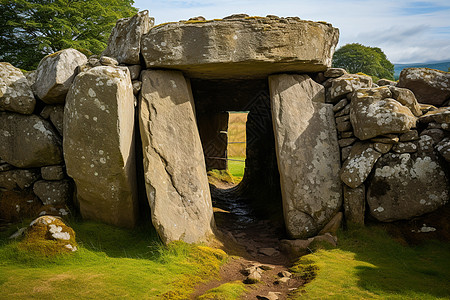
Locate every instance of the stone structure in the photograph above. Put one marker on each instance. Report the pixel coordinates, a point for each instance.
(387, 150)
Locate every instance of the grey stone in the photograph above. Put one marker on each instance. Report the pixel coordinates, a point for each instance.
(345, 152)
(52, 172)
(175, 178)
(406, 98)
(346, 84)
(409, 136)
(55, 74)
(359, 164)
(383, 82)
(108, 61)
(53, 192)
(407, 185)
(124, 43)
(56, 115)
(346, 142)
(137, 85)
(242, 48)
(135, 71)
(344, 111)
(99, 145)
(346, 134)
(405, 147)
(436, 134)
(310, 187)
(344, 126)
(28, 141)
(340, 105)
(355, 204)
(18, 178)
(444, 148)
(382, 147)
(333, 226)
(372, 113)
(15, 92)
(334, 72)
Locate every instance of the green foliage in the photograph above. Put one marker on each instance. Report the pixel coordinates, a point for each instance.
(111, 263)
(31, 29)
(359, 58)
(369, 264)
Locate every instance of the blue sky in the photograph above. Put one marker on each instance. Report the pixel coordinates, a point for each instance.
(407, 31)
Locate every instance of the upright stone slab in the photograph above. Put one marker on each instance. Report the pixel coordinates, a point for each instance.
(307, 152)
(174, 165)
(99, 144)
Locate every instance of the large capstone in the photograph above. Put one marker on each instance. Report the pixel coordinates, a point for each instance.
(174, 165)
(408, 185)
(124, 43)
(307, 153)
(15, 93)
(240, 47)
(28, 141)
(55, 74)
(99, 144)
(429, 86)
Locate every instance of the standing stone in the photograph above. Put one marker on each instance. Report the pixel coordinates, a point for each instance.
(310, 185)
(53, 192)
(28, 141)
(99, 145)
(428, 85)
(55, 74)
(15, 93)
(407, 185)
(359, 163)
(174, 165)
(355, 204)
(124, 43)
(373, 113)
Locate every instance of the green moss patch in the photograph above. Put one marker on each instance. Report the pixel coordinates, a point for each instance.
(227, 291)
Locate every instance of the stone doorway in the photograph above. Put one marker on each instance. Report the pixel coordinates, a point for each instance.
(257, 198)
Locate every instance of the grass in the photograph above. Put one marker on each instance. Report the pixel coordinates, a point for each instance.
(237, 146)
(111, 263)
(236, 168)
(227, 291)
(369, 264)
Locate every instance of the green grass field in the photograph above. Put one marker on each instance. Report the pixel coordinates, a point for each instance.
(236, 144)
(369, 264)
(236, 167)
(111, 263)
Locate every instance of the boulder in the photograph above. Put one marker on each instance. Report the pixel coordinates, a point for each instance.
(49, 236)
(53, 192)
(15, 92)
(28, 141)
(310, 187)
(99, 145)
(444, 148)
(124, 43)
(18, 178)
(55, 74)
(56, 115)
(383, 82)
(440, 116)
(334, 72)
(240, 47)
(359, 164)
(373, 113)
(174, 165)
(428, 85)
(406, 98)
(355, 204)
(346, 84)
(408, 185)
(53, 172)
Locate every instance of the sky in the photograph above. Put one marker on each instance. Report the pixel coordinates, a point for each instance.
(407, 31)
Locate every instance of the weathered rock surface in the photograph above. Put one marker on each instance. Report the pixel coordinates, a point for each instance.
(444, 148)
(383, 82)
(440, 116)
(15, 93)
(310, 185)
(359, 164)
(125, 40)
(53, 192)
(406, 98)
(373, 113)
(99, 144)
(18, 178)
(355, 204)
(28, 141)
(174, 165)
(407, 185)
(52, 172)
(429, 86)
(241, 47)
(334, 72)
(346, 84)
(55, 75)
(56, 115)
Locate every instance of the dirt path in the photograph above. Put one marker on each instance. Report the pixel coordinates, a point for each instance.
(253, 242)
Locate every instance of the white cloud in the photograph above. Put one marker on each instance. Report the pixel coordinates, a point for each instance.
(405, 30)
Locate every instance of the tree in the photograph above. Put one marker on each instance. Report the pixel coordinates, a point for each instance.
(31, 29)
(359, 58)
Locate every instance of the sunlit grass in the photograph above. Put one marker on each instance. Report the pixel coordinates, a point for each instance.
(236, 167)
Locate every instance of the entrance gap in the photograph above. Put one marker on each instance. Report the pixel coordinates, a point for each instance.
(252, 209)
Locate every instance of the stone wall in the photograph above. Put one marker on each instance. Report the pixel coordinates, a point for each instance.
(320, 141)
